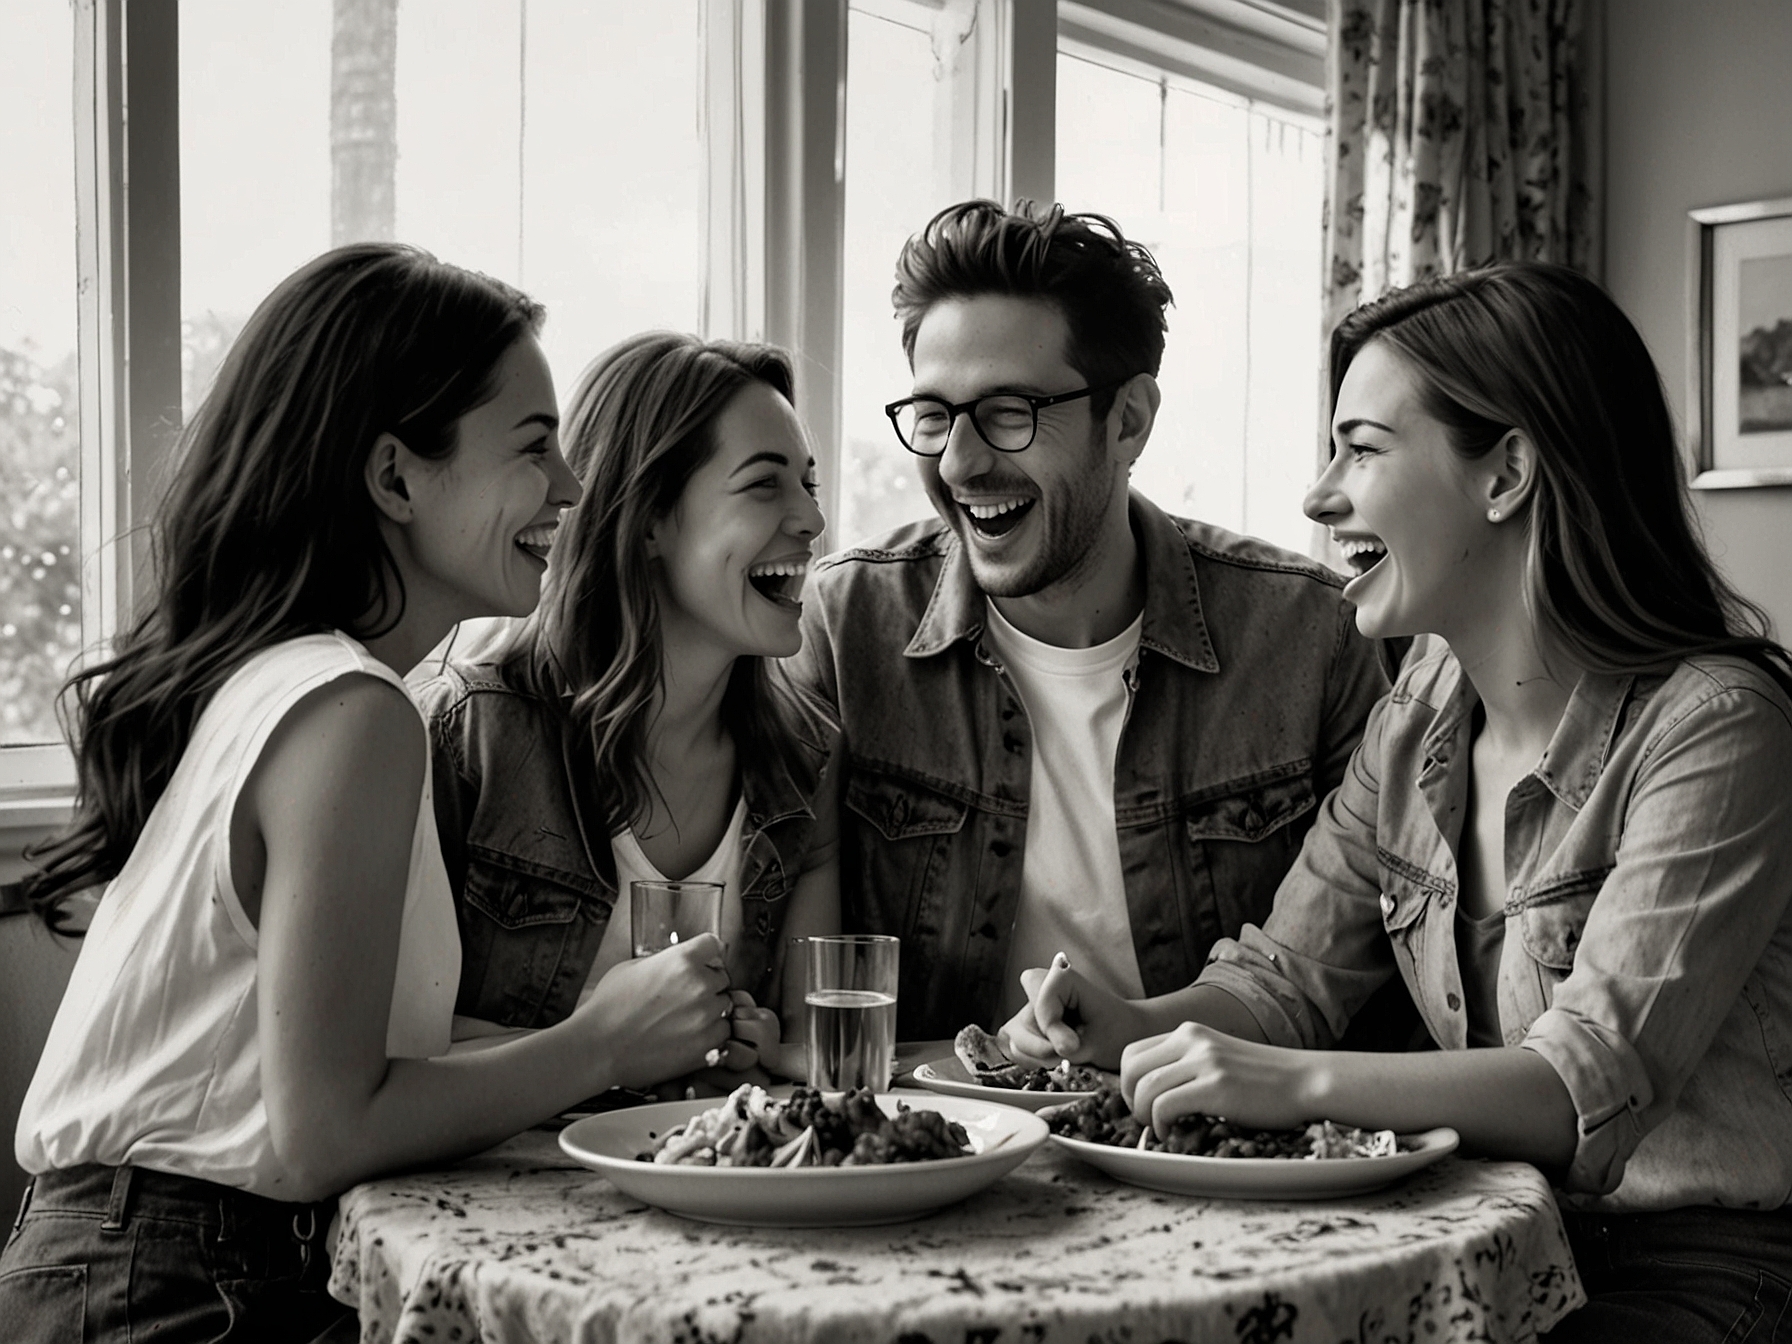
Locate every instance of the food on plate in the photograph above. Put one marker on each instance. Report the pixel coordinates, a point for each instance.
(1106, 1118)
(753, 1129)
(983, 1058)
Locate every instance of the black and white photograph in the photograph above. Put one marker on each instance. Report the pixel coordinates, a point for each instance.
(1740, 374)
(1764, 371)
(895, 671)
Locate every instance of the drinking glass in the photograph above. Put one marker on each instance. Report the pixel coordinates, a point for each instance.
(664, 913)
(851, 1008)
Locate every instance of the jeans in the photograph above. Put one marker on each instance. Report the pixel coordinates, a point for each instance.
(1685, 1276)
(116, 1253)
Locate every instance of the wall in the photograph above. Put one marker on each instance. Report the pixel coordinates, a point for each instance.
(1699, 112)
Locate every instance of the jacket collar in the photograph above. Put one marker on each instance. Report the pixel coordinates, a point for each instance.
(1576, 754)
(1570, 766)
(1173, 626)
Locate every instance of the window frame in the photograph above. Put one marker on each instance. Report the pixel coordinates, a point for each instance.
(1259, 50)
(127, 233)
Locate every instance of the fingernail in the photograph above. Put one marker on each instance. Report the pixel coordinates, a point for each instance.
(1060, 962)
(713, 1058)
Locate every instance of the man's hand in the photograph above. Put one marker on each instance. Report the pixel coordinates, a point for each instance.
(1069, 1017)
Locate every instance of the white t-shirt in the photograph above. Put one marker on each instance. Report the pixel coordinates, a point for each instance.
(154, 1058)
(1072, 895)
(723, 866)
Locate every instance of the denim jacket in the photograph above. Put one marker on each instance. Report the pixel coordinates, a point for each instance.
(1246, 696)
(1648, 950)
(528, 852)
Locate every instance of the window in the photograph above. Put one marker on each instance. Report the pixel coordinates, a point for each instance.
(898, 175)
(40, 540)
(1227, 195)
(550, 143)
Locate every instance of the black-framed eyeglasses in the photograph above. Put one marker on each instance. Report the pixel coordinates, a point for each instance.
(1006, 421)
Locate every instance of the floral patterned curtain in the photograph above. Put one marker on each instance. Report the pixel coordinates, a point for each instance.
(1460, 132)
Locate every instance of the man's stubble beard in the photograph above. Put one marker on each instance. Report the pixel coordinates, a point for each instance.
(1072, 536)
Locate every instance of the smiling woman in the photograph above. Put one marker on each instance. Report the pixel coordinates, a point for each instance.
(375, 462)
(485, 517)
(646, 680)
(1418, 528)
(1568, 828)
(734, 547)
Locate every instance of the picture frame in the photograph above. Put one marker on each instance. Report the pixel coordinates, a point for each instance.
(1739, 361)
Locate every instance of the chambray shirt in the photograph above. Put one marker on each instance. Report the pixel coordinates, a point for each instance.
(1648, 950)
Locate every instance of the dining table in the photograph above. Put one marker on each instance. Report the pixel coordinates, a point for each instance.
(523, 1245)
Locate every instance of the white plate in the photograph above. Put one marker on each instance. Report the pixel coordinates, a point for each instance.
(948, 1077)
(808, 1196)
(1263, 1177)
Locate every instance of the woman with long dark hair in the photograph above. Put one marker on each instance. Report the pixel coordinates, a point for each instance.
(1568, 827)
(262, 1004)
(638, 725)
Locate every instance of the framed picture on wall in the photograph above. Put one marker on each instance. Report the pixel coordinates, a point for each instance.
(1740, 397)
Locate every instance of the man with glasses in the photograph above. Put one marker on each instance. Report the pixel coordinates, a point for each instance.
(1071, 723)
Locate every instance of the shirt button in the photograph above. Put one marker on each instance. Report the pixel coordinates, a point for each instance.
(1387, 904)
(1454, 1002)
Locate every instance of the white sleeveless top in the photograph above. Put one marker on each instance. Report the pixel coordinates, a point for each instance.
(154, 1057)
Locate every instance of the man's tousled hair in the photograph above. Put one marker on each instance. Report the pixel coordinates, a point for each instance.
(1107, 286)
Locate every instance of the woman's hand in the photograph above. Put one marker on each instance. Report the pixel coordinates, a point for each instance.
(755, 1033)
(1196, 1068)
(1068, 1017)
(660, 1016)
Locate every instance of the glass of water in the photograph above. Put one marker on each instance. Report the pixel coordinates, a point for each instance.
(851, 1008)
(664, 913)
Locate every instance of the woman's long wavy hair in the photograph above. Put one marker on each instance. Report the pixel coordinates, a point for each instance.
(1617, 575)
(637, 428)
(268, 530)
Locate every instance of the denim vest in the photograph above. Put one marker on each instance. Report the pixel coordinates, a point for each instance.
(1648, 948)
(528, 852)
(1247, 694)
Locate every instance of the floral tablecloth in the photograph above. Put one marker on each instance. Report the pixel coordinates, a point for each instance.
(519, 1245)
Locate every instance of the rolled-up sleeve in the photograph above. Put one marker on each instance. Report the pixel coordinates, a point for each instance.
(1323, 950)
(1701, 878)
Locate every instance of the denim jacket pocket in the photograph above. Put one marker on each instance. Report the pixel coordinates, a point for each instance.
(1554, 916)
(1253, 813)
(901, 872)
(901, 810)
(1413, 901)
(1242, 843)
(527, 941)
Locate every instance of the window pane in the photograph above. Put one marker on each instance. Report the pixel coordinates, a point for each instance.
(894, 185)
(254, 164)
(40, 543)
(1227, 197)
(551, 143)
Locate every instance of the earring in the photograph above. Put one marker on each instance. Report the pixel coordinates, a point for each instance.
(1493, 515)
